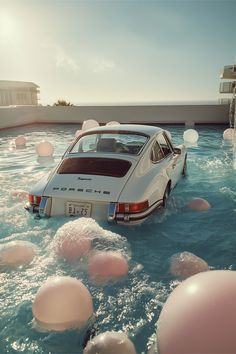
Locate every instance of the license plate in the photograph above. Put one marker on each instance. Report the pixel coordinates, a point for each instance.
(78, 209)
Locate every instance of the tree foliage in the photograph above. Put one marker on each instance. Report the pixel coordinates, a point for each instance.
(62, 103)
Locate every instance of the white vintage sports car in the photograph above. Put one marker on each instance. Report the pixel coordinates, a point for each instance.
(121, 173)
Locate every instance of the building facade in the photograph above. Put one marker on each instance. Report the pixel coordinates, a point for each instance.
(18, 93)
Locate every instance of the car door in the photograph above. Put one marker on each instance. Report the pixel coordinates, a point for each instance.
(172, 164)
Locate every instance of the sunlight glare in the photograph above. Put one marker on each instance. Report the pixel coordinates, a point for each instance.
(7, 26)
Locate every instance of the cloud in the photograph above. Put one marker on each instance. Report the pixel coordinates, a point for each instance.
(101, 65)
(62, 59)
(65, 61)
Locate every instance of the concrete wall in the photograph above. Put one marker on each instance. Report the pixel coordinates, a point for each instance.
(150, 114)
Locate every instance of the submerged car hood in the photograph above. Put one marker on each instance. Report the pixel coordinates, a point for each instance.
(81, 186)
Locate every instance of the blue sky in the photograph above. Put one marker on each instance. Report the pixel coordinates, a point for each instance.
(118, 51)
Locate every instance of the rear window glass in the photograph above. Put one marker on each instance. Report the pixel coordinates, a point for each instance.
(110, 142)
(95, 166)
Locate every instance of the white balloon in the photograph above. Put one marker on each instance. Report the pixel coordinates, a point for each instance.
(62, 303)
(44, 148)
(110, 342)
(113, 122)
(20, 140)
(191, 136)
(16, 253)
(228, 134)
(89, 124)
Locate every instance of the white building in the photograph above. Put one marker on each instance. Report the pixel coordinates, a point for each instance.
(18, 93)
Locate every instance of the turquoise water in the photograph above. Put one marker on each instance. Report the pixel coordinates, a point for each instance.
(132, 305)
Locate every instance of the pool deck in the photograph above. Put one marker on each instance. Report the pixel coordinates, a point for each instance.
(191, 114)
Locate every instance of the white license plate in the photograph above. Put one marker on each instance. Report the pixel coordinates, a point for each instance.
(80, 209)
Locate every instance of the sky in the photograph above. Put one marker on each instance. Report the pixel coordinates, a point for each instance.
(96, 52)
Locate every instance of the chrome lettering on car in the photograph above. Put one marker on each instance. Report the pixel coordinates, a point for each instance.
(88, 190)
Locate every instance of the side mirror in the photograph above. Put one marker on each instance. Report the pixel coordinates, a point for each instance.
(177, 151)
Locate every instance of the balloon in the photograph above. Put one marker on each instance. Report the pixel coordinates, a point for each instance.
(110, 343)
(16, 253)
(198, 204)
(190, 136)
(89, 124)
(185, 264)
(228, 134)
(62, 303)
(20, 141)
(113, 122)
(199, 315)
(73, 239)
(44, 148)
(105, 266)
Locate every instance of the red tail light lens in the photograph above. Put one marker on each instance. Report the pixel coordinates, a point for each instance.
(132, 207)
(34, 199)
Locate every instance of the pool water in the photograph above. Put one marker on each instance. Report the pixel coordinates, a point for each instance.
(133, 304)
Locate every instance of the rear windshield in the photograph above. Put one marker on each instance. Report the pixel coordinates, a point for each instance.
(110, 142)
(94, 166)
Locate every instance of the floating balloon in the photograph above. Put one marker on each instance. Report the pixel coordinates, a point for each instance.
(16, 253)
(199, 315)
(113, 122)
(199, 204)
(20, 141)
(185, 264)
(190, 136)
(20, 194)
(228, 134)
(73, 239)
(105, 266)
(62, 303)
(44, 148)
(110, 343)
(89, 124)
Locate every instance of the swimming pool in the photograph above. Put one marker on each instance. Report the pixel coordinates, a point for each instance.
(132, 305)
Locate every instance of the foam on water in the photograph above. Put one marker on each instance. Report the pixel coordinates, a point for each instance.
(134, 303)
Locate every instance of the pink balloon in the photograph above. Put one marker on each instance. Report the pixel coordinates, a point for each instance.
(199, 204)
(16, 253)
(185, 264)
(44, 148)
(72, 248)
(199, 315)
(62, 303)
(20, 140)
(105, 266)
(73, 240)
(110, 343)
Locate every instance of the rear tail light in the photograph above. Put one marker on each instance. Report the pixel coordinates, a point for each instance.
(34, 199)
(132, 207)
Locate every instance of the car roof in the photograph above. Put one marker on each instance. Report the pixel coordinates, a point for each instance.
(135, 128)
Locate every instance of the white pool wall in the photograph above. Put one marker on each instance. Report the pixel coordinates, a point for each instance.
(144, 114)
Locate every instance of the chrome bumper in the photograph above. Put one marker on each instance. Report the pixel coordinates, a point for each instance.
(131, 218)
(41, 210)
